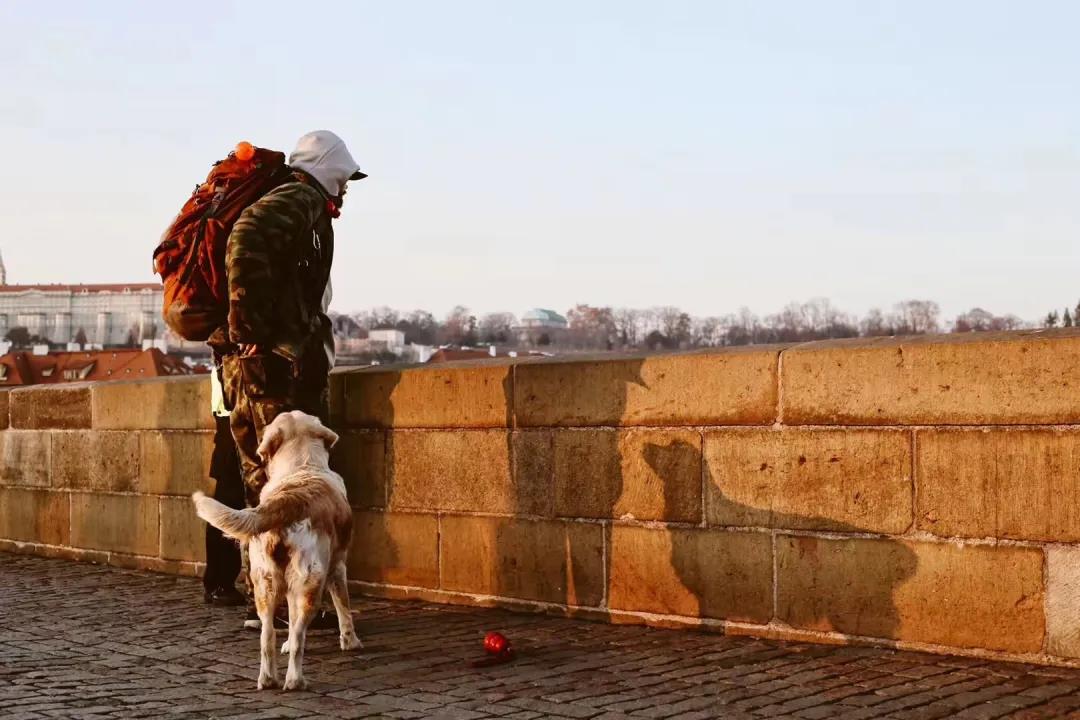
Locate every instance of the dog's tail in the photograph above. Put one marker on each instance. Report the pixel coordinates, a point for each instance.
(237, 524)
(278, 511)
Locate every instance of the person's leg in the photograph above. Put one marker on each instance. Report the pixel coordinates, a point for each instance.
(222, 553)
(252, 406)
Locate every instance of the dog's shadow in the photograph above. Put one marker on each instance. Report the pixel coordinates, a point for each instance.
(877, 566)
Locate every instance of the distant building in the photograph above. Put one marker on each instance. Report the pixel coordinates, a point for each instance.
(122, 314)
(389, 340)
(102, 314)
(451, 354)
(541, 328)
(40, 368)
(540, 318)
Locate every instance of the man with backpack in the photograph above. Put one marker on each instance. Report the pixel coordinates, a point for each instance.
(246, 267)
(277, 347)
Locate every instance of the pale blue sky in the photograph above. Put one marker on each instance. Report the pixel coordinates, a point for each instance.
(701, 154)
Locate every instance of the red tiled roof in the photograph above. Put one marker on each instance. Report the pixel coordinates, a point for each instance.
(116, 287)
(24, 368)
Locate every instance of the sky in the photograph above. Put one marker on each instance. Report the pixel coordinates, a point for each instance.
(708, 155)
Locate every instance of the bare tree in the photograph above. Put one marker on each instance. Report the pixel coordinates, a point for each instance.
(917, 317)
(979, 320)
(668, 320)
(627, 325)
(707, 332)
(460, 327)
(592, 327)
(875, 324)
(497, 327)
(379, 318)
(420, 327)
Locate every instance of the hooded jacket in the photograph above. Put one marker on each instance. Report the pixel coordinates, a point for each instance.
(323, 156)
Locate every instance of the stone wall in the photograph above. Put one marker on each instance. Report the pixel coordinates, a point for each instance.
(923, 492)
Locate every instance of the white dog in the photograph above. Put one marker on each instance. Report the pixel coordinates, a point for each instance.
(297, 539)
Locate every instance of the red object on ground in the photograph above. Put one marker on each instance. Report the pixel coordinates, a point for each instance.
(498, 649)
(496, 643)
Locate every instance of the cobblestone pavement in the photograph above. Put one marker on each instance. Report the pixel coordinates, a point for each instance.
(83, 641)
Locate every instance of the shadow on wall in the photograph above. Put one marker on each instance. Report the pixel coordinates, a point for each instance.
(528, 541)
(815, 575)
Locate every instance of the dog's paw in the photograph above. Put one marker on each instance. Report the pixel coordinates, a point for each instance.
(295, 683)
(350, 642)
(285, 648)
(266, 683)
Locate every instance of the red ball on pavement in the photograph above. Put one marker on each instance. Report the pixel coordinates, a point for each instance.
(496, 643)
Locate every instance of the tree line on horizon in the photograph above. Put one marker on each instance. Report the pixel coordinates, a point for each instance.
(666, 327)
(658, 328)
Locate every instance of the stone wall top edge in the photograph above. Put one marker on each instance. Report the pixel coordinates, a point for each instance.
(577, 358)
(1042, 335)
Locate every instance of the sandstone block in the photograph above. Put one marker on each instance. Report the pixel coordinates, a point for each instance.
(1063, 601)
(588, 477)
(175, 463)
(451, 471)
(25, 458)
(691, 572)
(183, 533)
(842, 480)
(181, 403)
(38, 516)
(449, 395)
(395, 549)
(337, 397)
(973, 379)
(95, 460)
(120, 523)
(643, 474)
(1017, 484)
(718, 387)
(964, 596)
(534, 472)
(50, 406)
(542, 560)
(360, 458)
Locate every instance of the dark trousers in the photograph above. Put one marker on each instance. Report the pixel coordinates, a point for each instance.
(222, 553)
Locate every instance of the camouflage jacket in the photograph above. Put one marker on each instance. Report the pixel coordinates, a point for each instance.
(278, 260)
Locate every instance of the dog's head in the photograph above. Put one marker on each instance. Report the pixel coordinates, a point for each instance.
(296, 429)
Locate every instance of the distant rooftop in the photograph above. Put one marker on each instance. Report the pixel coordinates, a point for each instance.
(25, 368)
(543, 316)
(113, 287)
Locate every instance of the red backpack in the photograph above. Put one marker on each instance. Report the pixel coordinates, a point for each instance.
(191, 255)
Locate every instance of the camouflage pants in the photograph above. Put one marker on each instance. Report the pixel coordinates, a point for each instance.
(259, 388)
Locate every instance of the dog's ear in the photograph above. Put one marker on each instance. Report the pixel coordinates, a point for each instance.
(272, 438)
(328, 436)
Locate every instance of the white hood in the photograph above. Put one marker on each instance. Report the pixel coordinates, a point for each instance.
(323, 155)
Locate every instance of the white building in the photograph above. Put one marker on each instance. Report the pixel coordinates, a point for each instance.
(392, 340)
(104, 314)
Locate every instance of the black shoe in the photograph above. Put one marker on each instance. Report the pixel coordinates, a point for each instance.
(224, 597)
(323, 620)
(252, 622)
